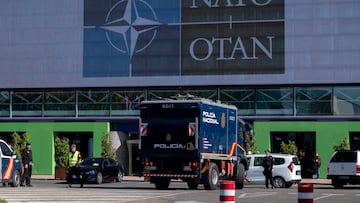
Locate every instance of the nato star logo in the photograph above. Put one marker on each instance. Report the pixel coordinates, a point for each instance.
(130, 26)
(126, 38)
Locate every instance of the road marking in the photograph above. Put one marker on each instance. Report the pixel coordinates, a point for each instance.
(82, 195)
(325, 195)
(256, 194)
(188, 202)
(322, 196)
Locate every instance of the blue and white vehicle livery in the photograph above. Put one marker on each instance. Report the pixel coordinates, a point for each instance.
(197, 141)
(10, 166)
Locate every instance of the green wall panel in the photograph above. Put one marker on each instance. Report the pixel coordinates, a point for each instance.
(327, 134)
(42, 139)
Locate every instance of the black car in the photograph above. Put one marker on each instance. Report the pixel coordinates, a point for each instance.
(99, 170)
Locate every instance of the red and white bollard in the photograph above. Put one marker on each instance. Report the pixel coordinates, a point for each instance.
(227, 191)
(305, 193)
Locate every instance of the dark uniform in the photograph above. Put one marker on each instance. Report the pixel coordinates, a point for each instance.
(268, 164)
(28, 163)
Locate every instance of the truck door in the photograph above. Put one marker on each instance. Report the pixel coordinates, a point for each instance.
(170, 134)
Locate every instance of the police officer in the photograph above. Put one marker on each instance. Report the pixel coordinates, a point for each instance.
(73, 167)
(28, 164)
(268, 164)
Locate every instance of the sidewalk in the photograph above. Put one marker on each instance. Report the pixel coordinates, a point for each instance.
(137, 178)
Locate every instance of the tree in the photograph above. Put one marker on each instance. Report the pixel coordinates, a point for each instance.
(289, 148)
(61, 151)
(343, 145)
(19, 143)
(107, 151)
(250, 142)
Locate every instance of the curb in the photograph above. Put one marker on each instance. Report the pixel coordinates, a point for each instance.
(52, 177)
(317, 181)
(137, 178)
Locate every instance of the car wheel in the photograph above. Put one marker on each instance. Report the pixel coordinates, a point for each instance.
(211, 178)
(99, 178)
(279, 182)
(16, 179)
(119, 176)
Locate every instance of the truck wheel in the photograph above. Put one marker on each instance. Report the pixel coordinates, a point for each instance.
(162, 184)
(211, 178)
(193, 184)
(240, 176)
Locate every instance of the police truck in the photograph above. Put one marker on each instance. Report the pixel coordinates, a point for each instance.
(197, 141)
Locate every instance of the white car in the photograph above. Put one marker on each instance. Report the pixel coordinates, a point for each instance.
(344, 168)
(287, 170)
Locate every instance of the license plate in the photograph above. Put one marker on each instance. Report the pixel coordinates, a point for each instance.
(343, 177)
(298, 173)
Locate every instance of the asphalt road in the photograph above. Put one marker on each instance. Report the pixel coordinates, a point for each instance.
(137, 191)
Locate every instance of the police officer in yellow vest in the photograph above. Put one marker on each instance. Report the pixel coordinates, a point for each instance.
(73, 167)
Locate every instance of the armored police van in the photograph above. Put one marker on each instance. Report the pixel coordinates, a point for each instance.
(10, 166)
(196, 141)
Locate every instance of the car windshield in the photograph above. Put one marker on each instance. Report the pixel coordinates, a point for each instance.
(91, 162)
(344, 156)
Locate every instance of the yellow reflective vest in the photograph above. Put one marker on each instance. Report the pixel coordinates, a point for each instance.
(74, 158)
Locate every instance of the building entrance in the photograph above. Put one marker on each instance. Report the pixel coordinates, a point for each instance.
(354, 140)
(83, 141)
(306, 144)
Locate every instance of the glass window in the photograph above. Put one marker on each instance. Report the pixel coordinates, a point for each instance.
(243, 99)
(27, 103)
(275, 101)
(346, 101)
(112, 162)
(279, 161)
(4, 103)
(106, 163)
(59, 103)
(126, 99)
(94, 102)
(5, 149)
(296, 161)
(314, 101)
(344, 156)
(258, 161)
